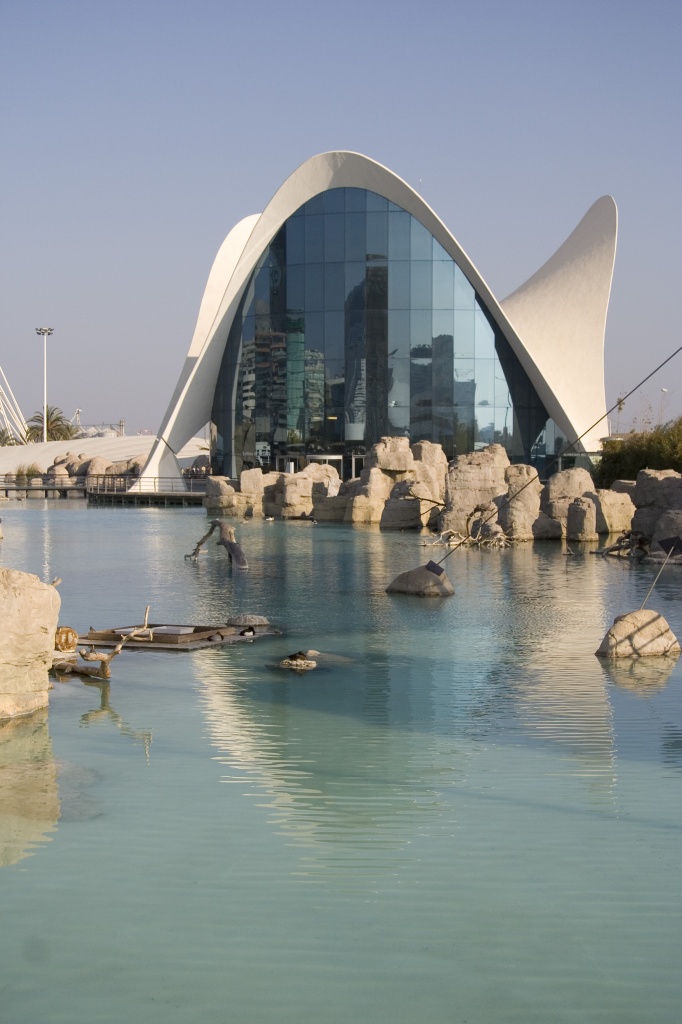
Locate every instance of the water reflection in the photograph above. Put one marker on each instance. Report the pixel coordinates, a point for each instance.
(106, 714)
(642, 676)
(341, 771)
(29, 795)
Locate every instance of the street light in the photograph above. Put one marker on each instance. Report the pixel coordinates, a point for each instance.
(46, 332)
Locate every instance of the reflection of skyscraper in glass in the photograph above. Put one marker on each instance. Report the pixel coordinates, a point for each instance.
(314, 394)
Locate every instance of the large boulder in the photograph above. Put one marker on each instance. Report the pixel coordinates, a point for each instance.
(422, 582)
(473, 479)
(296, 492)
(220, 496)
(656, 491)
(644, 633)
(569, 483)
(330, 510)
(581, 521)
(669, 524)
(326, 480)
(29, 611)
(520, 509)
(614, 510)
(392, 454)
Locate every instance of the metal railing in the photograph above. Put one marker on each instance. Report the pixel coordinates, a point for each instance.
(108, 484)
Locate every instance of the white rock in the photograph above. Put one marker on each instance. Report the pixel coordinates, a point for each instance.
(29, 611)
(644, 633)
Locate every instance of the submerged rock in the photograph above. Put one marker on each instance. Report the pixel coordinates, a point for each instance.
(644, 633)
(422, 582)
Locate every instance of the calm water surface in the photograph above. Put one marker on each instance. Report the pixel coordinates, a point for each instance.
(462, 817)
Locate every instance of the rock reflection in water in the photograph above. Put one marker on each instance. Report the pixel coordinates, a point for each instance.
(642, 676)
(29, 794)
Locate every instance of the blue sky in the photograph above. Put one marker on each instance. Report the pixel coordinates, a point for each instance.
(137, 132)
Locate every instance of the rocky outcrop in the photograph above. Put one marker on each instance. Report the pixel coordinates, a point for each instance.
(520, 509)
(474, 479)
(581, 520)
(29, 611)
(657, 491)
(561, 489)
(644, 633)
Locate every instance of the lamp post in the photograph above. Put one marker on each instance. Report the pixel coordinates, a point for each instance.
(46, 332)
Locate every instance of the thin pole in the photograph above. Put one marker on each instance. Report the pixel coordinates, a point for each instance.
(651, 588)
(44, 387)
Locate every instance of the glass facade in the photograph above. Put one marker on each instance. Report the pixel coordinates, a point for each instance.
(356, 324)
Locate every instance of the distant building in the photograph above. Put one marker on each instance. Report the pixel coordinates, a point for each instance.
(347, 312)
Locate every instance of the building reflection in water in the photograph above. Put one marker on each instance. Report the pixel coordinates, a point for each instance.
(364, 756)
(29, 794)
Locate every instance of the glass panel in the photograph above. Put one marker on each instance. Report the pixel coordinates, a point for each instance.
(295, 286)
(333, 200)
(485, 382)
(420, 382)
(420, 241)
(355, 200)
(334, 336)
(399, 420)
(376, 202)
(465, 296)
(398, 382)
(399, 236)
(316, 204)
(355, 236)
(421, 286)
(443, 321)
(420, 330)
(399, 333)
(314, 331)
(333, 237)
(439, 253)
(502, 395)
(464, 334)
(261, 289)
(314, 239)
(377, 235)
(443, 421)
(485, 424)
(504, 425)
(443, 392)
(464, 384)
(485, 337)
(296, 240)
(314, 286)
(334, 285)
(399, 284)
(443, 284)
(355, 283)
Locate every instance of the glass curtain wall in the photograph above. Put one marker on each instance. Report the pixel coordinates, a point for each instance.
(356, 324)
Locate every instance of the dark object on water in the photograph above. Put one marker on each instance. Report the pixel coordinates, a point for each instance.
(434, 568)
(671, 545)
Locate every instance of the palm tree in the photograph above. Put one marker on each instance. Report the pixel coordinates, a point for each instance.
(7, 437)
(58, 427)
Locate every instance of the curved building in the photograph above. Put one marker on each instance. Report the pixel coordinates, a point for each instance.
(347, 311)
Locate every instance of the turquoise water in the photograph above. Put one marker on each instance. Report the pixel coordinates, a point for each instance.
(461, 817)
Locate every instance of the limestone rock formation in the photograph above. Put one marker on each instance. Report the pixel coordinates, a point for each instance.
(615, 510)
(392, 454)
(581, 520)
(472, 480)
(644, 633)
(656, 491)
(520, 509)
(29, 611)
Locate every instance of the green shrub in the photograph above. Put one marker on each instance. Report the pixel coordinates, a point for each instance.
(660, 448)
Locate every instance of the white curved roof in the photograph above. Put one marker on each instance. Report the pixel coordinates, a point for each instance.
(554, 323)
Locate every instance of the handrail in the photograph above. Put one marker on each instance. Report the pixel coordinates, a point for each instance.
(108, 484)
